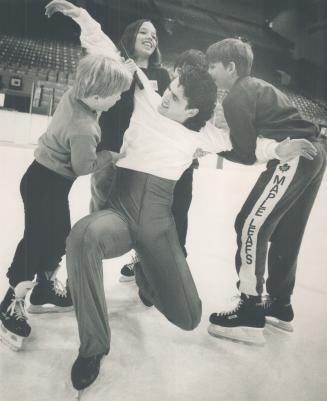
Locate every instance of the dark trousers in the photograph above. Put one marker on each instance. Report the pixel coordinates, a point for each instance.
(276, 211)
(101, 182)
(181, 204)
(47, 223)
(138, 216)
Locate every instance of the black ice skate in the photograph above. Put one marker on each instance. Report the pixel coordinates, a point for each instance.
(127, 271)
(14, 328)
(278, 313)
(85, 371)
(244, 323)
(50, 296)
(144, 300)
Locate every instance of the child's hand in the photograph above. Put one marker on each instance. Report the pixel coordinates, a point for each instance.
(116, 156)
(131, 65)
(62, 6)
(199, 153)
(289, 149)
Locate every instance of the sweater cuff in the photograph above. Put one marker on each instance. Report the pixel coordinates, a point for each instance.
(266, 149)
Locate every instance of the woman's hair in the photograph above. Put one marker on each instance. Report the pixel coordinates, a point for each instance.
(100, 75)
(201, 93)
(232, 50)
(128, 39)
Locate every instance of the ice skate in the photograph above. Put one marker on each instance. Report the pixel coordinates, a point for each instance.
(50, 296)
(14, 328)
(127, 271)
(144, 300)
(85, 371)
(278, 313)
(243, 324)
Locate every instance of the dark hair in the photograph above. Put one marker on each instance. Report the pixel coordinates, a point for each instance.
(128, 39)
(201, 93)
(192, 58)
(232, 50)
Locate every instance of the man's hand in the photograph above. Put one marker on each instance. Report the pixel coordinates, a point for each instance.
(289, 149)
(62, 6)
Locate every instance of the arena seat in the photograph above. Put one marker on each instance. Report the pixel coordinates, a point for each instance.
(311, 109)
(46, 96)
(36, 66)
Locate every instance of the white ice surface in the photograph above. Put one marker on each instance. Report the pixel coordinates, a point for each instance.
(150, 359)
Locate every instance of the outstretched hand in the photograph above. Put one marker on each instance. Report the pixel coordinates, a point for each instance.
(62, 6)
(289, 149)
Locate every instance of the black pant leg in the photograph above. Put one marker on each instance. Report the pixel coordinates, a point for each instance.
(287, 237)
(273, 213)
(47, 223)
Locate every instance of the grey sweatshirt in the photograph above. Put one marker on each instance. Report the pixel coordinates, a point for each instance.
(68, 147)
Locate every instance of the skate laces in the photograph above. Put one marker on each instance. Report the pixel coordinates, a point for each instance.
(266, 302)
(130, 265)
(235, 309)
(59, 288)
(17, 309)
(135, 259)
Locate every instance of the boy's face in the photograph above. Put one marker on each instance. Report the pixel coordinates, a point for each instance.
(105, 103)
(174, 104)
(223, 76)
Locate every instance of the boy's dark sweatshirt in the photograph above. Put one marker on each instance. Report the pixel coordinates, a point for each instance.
(255, 108)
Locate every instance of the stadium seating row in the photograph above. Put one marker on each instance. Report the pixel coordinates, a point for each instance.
(41, 70)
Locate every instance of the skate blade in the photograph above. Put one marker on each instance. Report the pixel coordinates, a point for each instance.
(279, 324)
(11, 340)
(126, 279)
(79, 394)
(244, 335)
(49, 309)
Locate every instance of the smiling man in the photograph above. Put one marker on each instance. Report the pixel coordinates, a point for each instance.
(156, 150)
(174, 105)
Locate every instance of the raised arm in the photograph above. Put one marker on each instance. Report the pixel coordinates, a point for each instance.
(92, 38)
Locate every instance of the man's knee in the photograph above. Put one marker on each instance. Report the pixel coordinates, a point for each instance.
(83, 236)
(189, 318)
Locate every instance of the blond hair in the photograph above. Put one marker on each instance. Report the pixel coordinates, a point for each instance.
(99, 75)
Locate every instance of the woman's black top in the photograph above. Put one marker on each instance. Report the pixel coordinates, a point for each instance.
(115, 121)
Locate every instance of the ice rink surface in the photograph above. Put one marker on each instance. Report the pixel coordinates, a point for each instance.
(150, 359)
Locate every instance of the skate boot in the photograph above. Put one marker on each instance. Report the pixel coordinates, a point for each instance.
(244, 323)
(279, 313)
(144, 300)
(14, 327)
(50, 296)
(127, 271)
(85, 371)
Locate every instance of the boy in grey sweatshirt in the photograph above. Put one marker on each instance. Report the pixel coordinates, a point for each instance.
(65, 151)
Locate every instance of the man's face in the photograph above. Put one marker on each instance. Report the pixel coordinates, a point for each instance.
(223, 76)
(174, 104)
